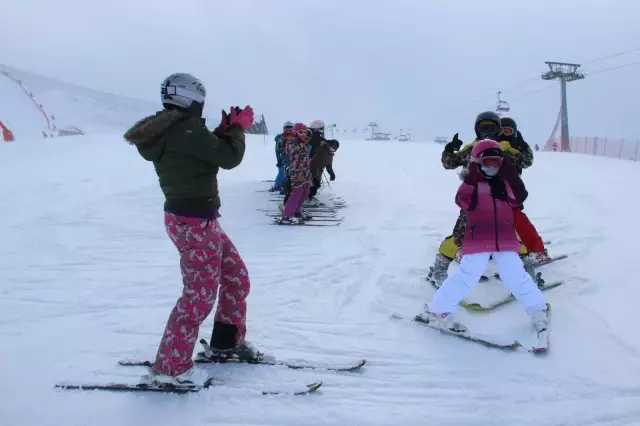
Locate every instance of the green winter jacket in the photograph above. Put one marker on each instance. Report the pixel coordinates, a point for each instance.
(186, 157)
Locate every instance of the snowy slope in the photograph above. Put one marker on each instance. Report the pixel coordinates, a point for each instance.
(89, 277)
(18, 112)
(90, 110)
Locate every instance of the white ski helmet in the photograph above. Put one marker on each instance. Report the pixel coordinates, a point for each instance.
(287, 124)
(317, 125)
(184, 91)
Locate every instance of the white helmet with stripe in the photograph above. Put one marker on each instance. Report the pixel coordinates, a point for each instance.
(184, 91)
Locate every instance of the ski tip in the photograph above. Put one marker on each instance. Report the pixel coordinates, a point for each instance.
(358, 365)
(314, 386)
(134, 363)
(539, 350)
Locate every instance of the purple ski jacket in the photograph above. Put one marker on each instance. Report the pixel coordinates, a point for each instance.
(490, 225)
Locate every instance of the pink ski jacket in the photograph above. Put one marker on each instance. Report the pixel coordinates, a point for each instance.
(490, 224)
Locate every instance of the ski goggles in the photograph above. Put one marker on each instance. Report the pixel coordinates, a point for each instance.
(487, 128)
(303, 133)
(508, 131)
(287, 129)
(492, 161)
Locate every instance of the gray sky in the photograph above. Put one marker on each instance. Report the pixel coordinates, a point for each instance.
(416, 64)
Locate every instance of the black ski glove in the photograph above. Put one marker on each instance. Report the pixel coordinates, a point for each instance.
(454, 145)
(519, 143)
(332, 177)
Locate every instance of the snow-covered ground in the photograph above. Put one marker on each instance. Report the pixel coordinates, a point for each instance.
(88, 277)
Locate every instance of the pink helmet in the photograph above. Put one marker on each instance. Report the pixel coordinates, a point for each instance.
(482, 146)
(301, 130)
(300, 127)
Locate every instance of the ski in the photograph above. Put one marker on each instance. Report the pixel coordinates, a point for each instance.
(537, 279)
(550, 260)
(472, 337)
(122, 387)
(477, 307)
(294, 366)
(277, 222)
(314, 218)
(179, 389)
(267, 360)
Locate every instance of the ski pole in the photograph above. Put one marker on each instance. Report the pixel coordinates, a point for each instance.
(326, 180)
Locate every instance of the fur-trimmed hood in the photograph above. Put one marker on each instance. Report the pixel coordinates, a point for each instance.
(150, 134)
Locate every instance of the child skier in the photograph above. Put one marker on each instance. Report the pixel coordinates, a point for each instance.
(519, 152)
(490, 189)
(317, 136)
(299, 173)
(322, 159)
(187, 157)
(287, 136)
(278, 183)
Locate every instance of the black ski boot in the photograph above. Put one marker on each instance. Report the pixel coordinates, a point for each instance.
(222, 347)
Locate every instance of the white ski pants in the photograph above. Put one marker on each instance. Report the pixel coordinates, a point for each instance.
(511, 271)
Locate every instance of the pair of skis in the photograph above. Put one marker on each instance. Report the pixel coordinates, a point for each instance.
(191, 388)
(541, 346)
(542, 336)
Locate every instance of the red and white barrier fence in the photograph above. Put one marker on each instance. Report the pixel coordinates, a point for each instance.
(628, 149)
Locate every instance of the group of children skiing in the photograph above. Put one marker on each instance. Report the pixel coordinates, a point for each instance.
(302, 155)
(187, 156)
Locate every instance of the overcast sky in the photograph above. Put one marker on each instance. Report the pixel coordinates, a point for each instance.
(425, 66)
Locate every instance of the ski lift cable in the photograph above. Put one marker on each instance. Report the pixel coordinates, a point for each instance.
(613, 68)
(612, 56)
(516, 86)
(524, 95)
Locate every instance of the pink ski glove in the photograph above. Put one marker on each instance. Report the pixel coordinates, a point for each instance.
(243, 117)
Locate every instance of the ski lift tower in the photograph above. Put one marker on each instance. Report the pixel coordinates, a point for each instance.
(374, 129)
(502, 106)
(565, 73)
(331, 127)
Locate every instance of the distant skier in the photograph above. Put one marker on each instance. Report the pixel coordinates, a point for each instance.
(187, 157)
(322, 159)
(278, 183)
(537, 148)
(299, 173)
(488, 193)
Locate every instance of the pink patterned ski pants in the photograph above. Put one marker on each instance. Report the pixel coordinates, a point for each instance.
(207, 259)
